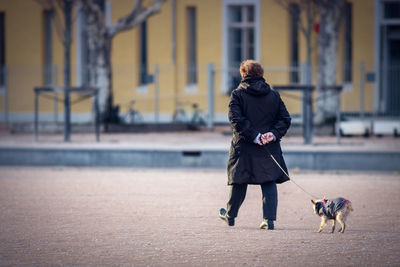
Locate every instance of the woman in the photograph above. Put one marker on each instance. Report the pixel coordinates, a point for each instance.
(258, 117)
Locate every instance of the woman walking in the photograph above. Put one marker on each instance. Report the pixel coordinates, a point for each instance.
(259, 120)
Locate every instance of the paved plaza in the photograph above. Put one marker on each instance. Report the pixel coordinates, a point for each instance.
(169, 217)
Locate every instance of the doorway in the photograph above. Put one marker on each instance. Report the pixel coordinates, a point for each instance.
(389, 97)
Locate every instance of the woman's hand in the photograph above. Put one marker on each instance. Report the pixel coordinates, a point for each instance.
(267, 137)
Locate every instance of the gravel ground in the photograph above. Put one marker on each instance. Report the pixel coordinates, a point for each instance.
(167, 217)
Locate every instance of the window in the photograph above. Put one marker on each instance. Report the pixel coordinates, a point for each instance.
(143, 74)
(391, 10)
(294, 42)
(191, 46)
(241, 39)
(2, 47)
(48, 47)
(348, 42)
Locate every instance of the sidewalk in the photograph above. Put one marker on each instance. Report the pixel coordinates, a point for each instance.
(192, 149)
(218, 139)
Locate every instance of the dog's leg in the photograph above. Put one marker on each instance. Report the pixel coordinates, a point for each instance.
(333, 225)
(323, 223)
(341, 221)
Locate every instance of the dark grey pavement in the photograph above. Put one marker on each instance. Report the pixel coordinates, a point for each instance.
(169, 217)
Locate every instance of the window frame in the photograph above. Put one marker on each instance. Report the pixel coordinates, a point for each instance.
(226, 36)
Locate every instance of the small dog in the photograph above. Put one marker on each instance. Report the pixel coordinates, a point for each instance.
(332, 209)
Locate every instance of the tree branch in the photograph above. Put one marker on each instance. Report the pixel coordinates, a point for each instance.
(137, 15)
(284, 4)
(305, 6)
(91, 7)
(46, 4)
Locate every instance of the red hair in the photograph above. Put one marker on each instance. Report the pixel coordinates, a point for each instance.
(251, 68)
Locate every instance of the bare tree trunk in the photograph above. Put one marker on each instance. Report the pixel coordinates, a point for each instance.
(327, 61)
(98, 55)
(102, 79)
(100, 38)
(108, 73)
(327, 101)
(100, 72)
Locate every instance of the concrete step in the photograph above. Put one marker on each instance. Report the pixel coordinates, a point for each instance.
(111, 156)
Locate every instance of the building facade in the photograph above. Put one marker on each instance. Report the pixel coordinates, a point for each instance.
(176, 47)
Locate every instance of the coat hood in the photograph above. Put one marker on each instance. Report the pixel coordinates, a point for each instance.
(255, 85)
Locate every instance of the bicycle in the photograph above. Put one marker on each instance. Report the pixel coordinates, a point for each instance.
(180, 114)
(197, 119)
(133, 115)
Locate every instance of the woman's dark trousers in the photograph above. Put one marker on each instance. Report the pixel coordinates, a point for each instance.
(269, 199)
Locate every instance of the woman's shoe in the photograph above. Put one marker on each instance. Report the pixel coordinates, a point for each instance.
(267, 224)
(224, 216)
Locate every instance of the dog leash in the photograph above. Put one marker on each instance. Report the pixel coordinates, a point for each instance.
(280, 167)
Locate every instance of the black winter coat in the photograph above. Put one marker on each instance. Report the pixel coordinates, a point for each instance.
(255, 108)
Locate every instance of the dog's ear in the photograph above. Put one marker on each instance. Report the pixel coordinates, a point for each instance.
(313, 202)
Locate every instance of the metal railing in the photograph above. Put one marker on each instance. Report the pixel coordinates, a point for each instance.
(84, 92)
(163, 95)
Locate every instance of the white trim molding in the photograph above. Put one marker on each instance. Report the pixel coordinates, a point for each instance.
(191, 88)
(142, 89)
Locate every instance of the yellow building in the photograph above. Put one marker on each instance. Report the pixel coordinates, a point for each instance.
(181, 41)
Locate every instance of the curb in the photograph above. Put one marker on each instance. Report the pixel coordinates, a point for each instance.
(178, 158)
